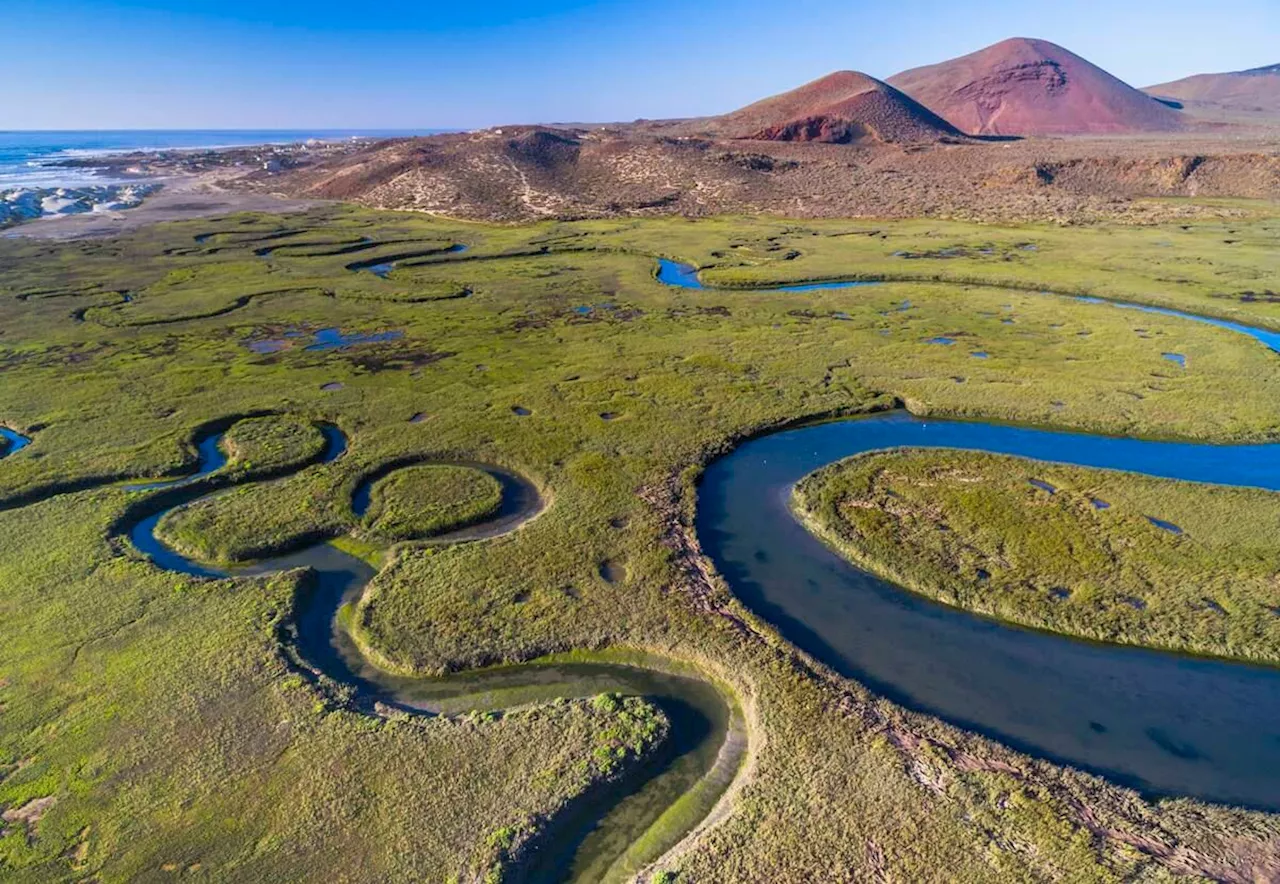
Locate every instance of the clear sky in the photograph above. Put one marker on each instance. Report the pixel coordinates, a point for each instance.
(85, 64)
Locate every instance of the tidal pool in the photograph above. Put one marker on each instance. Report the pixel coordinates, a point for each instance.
(321, 339)
(1164, 526)
(337, 339)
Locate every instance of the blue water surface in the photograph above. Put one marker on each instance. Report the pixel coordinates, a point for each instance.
(1160, 722)
(25, 157)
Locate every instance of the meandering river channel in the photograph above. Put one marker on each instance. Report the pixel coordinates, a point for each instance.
(599, 837)
(681, 275)
(1160, 722)
(1164, 723)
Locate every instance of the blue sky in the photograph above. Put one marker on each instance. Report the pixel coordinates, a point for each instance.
(395, 64)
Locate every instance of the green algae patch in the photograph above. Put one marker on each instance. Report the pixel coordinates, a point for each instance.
(424, 501)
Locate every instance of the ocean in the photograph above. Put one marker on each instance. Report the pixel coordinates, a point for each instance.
(25, 156)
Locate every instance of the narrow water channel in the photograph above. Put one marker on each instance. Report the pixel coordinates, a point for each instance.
(675, 273)
(609, 834)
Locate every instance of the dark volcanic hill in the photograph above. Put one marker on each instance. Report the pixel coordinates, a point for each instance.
(1032, 87)
(840, 108)
(1257, 90)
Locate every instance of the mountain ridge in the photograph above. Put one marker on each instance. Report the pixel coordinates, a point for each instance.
(1254, 89)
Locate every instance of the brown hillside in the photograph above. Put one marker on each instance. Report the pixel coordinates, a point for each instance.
(659, 168)
(840, 108)
(1255, 90)
(1033, 87)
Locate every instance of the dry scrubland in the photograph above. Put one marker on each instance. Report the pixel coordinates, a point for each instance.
(678, 168)
(156, 725)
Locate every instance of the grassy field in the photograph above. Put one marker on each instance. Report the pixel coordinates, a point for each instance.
(419, 502)
(153, 725)
(253, 521)
(270, 444)
(984, 532)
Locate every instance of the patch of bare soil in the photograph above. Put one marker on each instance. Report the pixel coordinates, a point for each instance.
(27, 815)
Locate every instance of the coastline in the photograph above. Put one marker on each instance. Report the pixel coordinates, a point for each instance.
(130, 187)
(179, 197)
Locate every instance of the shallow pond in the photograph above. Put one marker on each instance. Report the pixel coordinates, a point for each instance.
(13, 442)
(337, 339)
(320, 340)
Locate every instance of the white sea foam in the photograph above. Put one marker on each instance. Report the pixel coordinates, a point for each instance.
(28, 203)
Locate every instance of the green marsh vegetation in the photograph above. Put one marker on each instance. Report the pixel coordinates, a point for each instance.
(252, 521)
(271, 444)
(158, 718)
(418, 502)
(1085, 559)
(162, 715)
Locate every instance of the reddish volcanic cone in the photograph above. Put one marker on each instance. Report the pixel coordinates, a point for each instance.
(1032, 87)
(840, 108)
(1253, 90)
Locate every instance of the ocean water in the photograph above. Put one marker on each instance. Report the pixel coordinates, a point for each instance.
(25, 157)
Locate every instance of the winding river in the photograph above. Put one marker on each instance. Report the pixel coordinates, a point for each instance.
(1163, 723)
(1166, 724)
(597, 838)
(681, 275)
